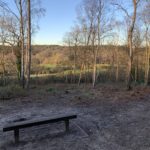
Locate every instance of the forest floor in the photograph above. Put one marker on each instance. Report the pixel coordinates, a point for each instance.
(109, 118)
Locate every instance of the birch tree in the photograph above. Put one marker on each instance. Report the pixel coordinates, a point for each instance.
(28, 61)
(131, 20)
(145, 17)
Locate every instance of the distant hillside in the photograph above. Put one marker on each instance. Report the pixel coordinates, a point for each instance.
(54, 58)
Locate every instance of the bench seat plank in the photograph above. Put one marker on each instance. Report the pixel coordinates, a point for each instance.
(25, 124)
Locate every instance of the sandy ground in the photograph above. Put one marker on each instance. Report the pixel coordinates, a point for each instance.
(109, 118)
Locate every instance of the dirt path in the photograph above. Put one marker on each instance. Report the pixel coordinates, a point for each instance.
(109, 118)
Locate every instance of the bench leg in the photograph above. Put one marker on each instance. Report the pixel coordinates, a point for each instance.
(16, 135)
(67, 125)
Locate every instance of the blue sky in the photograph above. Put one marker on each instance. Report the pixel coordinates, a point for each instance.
(59, 17)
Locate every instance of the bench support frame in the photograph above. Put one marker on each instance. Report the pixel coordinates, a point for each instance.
(67, 125)
(17, 127)
(16, 135)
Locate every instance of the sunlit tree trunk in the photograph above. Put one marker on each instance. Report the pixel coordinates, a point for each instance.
(28, 61)
(94, 71)
(3, 69)
(117, 63)
(22, 44)
(100, 7)
(80, 76)
(147, 58)
(130, 44)
(75, 60)
(136, 73)
(94, 59)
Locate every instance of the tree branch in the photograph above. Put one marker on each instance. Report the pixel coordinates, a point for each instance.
(5, 7)
(123, 9)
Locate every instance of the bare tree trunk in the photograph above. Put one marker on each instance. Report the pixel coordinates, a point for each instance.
(22, 44)
(136, 69)
(80, 74)
(147, 65)
(95, 57)
(3, 68)
(28, 45)
(129, 74)
(98, 34)
(94, 68)
(75, 61)
(117, 65)
(130, 44)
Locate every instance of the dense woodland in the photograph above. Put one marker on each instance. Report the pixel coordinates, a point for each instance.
(100, 47)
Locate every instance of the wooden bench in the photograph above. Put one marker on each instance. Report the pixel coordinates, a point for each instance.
(15, 126)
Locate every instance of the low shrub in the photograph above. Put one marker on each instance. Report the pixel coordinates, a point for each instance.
(11, 91)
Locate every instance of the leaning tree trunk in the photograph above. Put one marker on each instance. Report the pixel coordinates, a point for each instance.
(130, 45)
(28, 68)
